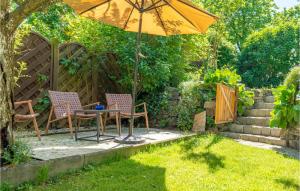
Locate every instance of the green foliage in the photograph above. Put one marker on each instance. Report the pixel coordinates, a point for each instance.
(269, 54)
(240, 17)
(226, 76)
(52, 23)
(286, 113)
(42, 103)
(42, 174)
(71, 65)
(293, 77)
(210, 122)
(17, 153)
(191, 102)
(5, 186)
(227, 54)
(245, 99)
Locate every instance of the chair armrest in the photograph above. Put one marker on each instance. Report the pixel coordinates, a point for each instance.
(88, 105)
(29, 105)
(141, 104)
(22, 102)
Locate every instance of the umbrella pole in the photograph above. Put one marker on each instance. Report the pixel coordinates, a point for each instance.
(137, 62)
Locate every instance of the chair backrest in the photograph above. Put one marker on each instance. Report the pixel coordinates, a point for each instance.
(59, 99)
(123, 101)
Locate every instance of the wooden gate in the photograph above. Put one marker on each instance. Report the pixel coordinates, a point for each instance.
(226, 104)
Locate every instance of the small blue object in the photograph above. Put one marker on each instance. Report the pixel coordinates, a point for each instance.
(99, 107)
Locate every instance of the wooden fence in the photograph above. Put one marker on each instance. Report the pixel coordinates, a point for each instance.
(226, 104)
(47, 69)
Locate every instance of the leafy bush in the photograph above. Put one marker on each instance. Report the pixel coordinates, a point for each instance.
(191, 102)
(286, 112)
(17, 153)
(269, 54)
(245, 99)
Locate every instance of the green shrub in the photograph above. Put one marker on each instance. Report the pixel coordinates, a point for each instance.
(17, 153)
(191, 102)
(245, 99)
(269, 54)
(286, 112)
(293, 78)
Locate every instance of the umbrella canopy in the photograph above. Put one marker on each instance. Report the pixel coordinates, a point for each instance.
(157, 17)
(160, 17)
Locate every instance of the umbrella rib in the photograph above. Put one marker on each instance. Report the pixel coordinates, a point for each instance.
(203, 11)
(152, 6)
(181, 15)
(162, 23)
(128, 18)
(93, 7)
(132, 4)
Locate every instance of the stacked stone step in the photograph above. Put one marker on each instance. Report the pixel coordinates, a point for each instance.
(254, 125)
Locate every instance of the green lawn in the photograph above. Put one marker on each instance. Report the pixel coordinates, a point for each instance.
(204, 163)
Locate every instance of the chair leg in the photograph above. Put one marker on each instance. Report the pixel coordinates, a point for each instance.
(70, 125)
(78, 123)
(105, 120)
(146, 121)
(117, 122)
(49, 120)
(36, 128)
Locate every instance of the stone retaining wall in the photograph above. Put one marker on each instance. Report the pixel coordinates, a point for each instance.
(294, 138)
(27, 172)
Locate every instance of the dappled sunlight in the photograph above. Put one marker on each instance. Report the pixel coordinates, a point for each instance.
(62, 145)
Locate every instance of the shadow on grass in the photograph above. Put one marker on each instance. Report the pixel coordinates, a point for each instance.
(288, 183)
(213, 161)
(125, 174)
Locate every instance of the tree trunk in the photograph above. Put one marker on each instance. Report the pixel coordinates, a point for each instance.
(6, 81)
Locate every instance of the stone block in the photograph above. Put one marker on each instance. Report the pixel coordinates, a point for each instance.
(275, 132)
(248, 137)
(295, 144)
(252, 130)
(236, 128)
(266, 131)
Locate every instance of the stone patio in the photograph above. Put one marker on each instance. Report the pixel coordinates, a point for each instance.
(62, 145)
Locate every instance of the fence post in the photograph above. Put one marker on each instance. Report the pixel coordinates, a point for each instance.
(54, 64)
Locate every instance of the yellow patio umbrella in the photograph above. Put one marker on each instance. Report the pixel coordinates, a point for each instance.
(156, 17)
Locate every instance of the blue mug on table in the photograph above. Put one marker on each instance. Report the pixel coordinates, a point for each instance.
(99, 107)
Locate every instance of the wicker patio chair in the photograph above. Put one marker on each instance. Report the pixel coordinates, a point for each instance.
(63, 106)
(26, 117)
(123, 103)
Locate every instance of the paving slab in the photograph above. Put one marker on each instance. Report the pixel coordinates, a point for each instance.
(62, 145)
(283, 150)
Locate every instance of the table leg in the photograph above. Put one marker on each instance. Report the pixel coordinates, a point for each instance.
(102, 126)
(98, 126)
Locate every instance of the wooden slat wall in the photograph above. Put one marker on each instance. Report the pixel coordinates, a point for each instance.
(37, 52)
(226, 103)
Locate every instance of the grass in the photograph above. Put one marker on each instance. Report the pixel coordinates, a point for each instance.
(208, 162)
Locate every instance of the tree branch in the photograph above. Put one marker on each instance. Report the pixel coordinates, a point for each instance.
(25, 9)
